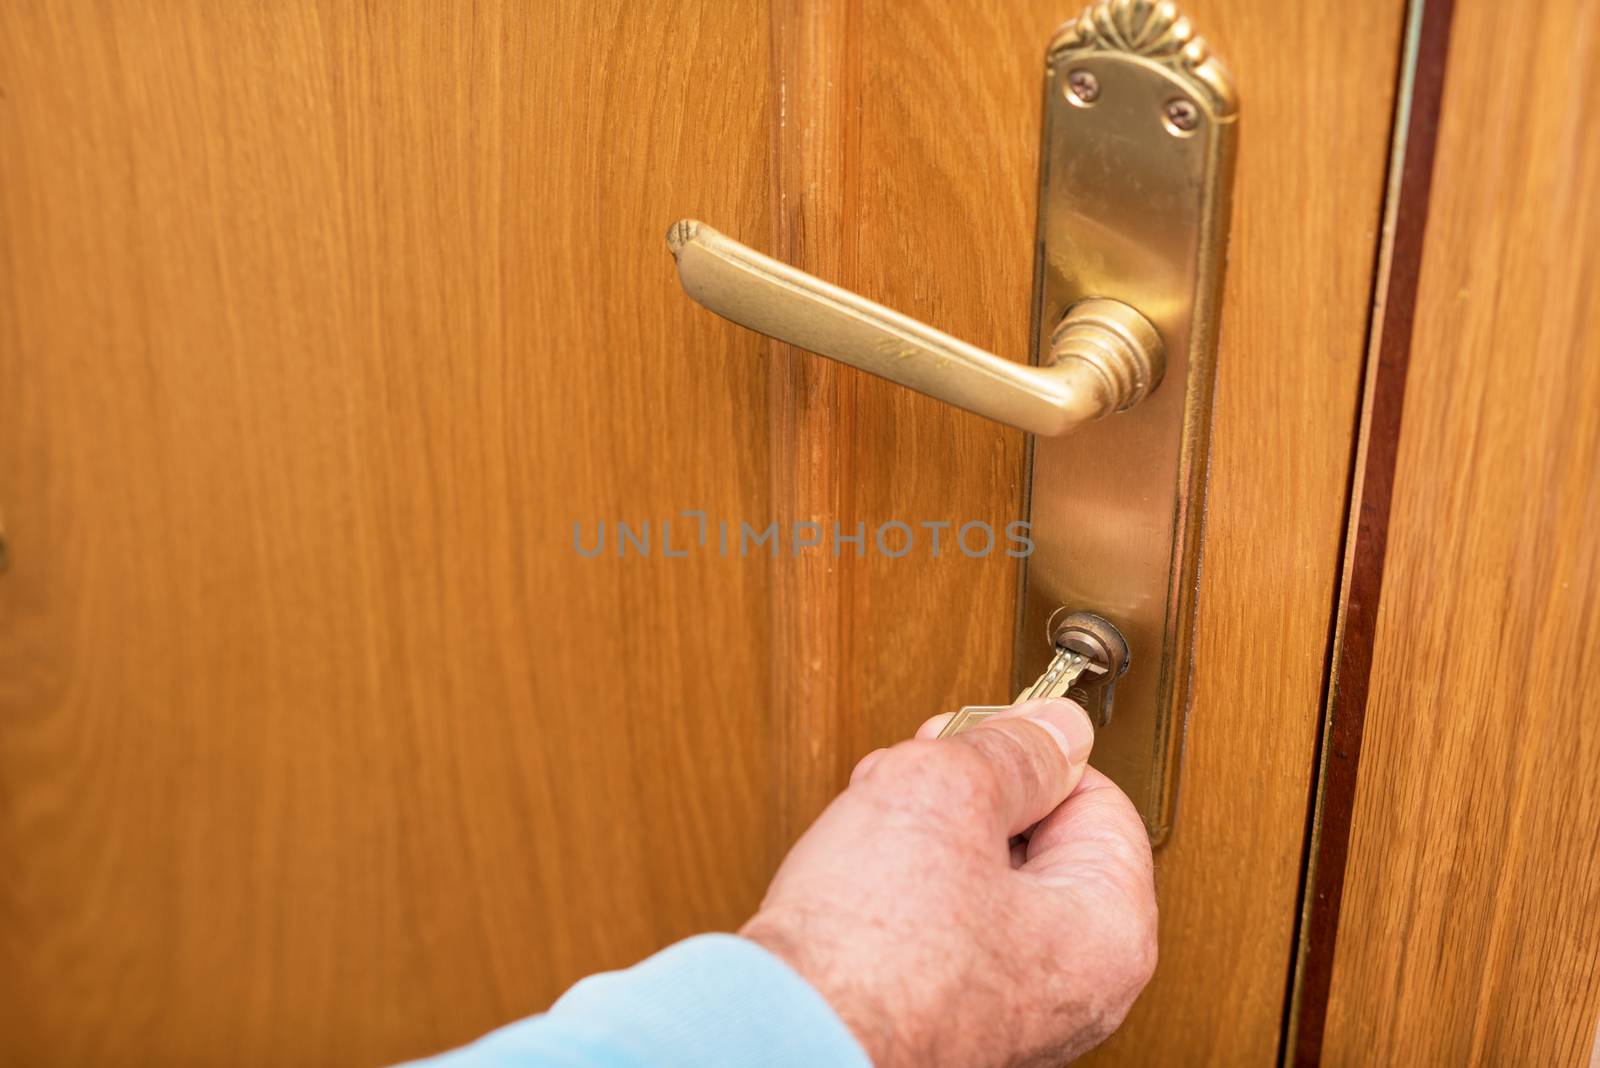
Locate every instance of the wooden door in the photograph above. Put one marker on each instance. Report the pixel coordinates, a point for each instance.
(321, 739)
(1457, 913)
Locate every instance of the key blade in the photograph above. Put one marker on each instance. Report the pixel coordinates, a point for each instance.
(1058, 677)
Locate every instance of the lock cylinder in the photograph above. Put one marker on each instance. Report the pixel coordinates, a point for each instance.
(1099, 641)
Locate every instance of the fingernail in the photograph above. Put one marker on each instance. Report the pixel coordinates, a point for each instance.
(1065, 721)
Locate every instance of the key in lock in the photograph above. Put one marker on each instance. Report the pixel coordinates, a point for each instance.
(1088, 649)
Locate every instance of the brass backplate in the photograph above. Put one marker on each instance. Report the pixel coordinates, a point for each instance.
(1135, 178)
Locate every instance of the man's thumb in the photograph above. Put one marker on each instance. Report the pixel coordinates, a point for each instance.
(1037, 752)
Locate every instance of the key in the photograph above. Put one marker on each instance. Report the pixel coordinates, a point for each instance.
(1055, 682)
(1084, 644)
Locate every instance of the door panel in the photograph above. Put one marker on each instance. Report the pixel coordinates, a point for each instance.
(324, 323)
(1471, 907)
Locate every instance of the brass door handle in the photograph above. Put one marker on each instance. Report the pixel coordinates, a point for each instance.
(1104, 356)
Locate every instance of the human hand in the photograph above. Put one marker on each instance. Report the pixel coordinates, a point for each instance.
(981, 900)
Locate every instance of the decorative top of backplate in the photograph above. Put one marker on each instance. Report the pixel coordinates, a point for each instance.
(1152, 30)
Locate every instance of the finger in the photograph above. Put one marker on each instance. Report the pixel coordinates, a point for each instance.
(1035, 755)
(864, 765)
(1091, 858)
(1095, 832)
(932, 727)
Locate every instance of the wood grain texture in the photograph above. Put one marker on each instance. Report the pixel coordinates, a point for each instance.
(928, 198)
(811, 401)
(937, 196)
(1472, 901)
(1372, 495)
(322, 325)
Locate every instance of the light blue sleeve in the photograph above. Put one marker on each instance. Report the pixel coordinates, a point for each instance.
(708, 1001)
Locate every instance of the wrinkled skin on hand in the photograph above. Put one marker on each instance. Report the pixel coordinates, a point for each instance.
(981, 900)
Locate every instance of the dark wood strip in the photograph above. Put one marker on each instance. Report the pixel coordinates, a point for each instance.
(1352, 659)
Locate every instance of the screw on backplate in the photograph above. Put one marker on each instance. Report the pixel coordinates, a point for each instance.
(1085, 86)
(1182, 115)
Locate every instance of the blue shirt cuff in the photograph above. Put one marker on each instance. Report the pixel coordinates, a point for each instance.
(710, 1000)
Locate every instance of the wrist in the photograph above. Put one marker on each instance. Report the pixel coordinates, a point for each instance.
(860, 1009)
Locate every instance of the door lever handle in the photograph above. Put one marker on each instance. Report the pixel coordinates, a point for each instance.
(1104, 356)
